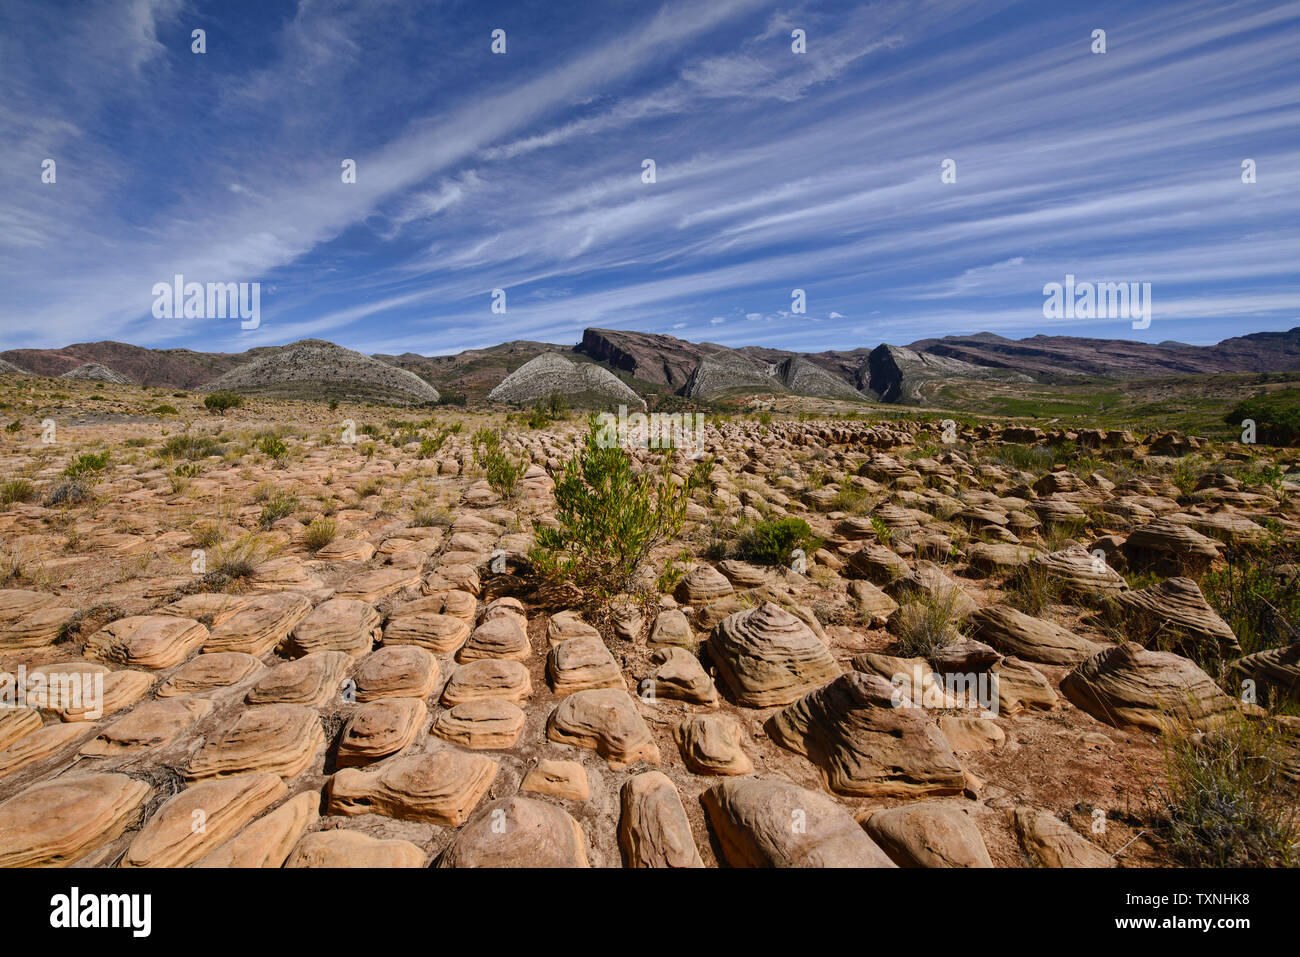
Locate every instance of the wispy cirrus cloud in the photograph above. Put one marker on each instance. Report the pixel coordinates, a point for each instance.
(523, 172)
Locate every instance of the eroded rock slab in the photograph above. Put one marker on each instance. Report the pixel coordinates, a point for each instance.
(865, 745)
(770, 823)
(768, 656)
(441, 787)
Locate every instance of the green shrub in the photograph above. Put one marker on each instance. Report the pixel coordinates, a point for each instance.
(1228, 801)
(192, 447)
(14, 426)
(1276, 417)
(163, 410)
(503, 475)
(278, 506)
(16, 490)
(87, 464)
(927, 623)
(772, 542)
(320, 532)
(273, 447)
(609, 518)
(219, 402)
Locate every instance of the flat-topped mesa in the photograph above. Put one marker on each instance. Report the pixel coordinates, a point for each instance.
(553, 374)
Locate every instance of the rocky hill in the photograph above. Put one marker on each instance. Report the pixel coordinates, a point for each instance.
(171, 368)
(319, 369)
(580, 383)
(96, 372)
(1072, 356)
(897, 374)
(8, 368)
(660, 364)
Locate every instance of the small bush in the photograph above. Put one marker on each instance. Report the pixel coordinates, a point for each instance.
(278, 506)
(927, 623)
(1228, 802)
(192, 447)
(219, 402)
(773, 542)
(70, 491)
(14, 426)
(87, 464)
(17, 490)
(503, 475)
(320, 532)
(1276, 417)
(273, 447)
(431, 518)
(1032, 589)
(163, 410)
(237, 559)
(609, 518)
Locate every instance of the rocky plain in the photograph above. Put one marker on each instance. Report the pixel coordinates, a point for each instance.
(298, 634)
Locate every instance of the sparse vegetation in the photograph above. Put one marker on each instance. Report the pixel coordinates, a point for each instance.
(609, 518)
(319, 533)
(220, 402)
(1228, 802)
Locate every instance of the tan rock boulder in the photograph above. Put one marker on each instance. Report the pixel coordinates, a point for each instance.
(373, 584)
(768, 656)
(259, 625)
(147, 641)
(1177, 612)
(1050, 842)
(269, 840)
(929, 834)
(1013, 632)
(653, 830)
(703, 584)
(481, 724)
(340, 624)
(380, 728)
(1130, 686)
(311, 680)
(396, 671)
(153, 724)
(441, 787)
(202, 818)
(1079, 574)
(40, 745)
(54, 823)
(606, 721)
(30, 619)
(562, 779)
(281, 739)
(865, 745)
(582, 663)
(518, 832)
(341, 848)
(712, 744)
(209, 674)
(678, 675)
(488, 678)
(435, 632)
(16, 723)
(496, 638)
(771, 823)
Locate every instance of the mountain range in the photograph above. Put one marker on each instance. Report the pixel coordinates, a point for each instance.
(656, 364)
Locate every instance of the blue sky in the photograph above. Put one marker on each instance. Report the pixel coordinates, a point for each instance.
(774, 170)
